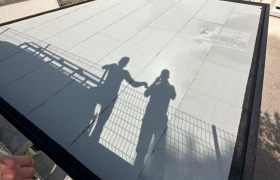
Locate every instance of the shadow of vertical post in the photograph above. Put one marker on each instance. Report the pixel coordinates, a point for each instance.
(218, 152)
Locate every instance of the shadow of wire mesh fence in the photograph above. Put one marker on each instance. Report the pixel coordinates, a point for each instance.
(188, 144)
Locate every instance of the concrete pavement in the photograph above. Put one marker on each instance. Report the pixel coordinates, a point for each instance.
(80, 75)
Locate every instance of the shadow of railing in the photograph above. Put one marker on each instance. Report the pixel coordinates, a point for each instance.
(191, 149)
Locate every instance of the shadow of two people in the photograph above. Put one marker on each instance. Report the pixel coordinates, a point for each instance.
(155, 118)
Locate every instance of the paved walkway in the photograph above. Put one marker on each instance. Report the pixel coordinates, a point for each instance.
(141, 89)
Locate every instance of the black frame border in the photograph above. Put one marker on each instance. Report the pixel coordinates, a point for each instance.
(41, 141)
(245, 151)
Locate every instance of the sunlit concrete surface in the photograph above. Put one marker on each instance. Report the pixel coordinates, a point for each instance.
(141, 89)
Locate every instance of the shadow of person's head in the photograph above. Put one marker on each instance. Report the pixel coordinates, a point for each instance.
(164, 74)
(123, 62)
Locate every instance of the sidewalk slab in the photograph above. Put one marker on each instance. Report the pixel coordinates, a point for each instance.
(146, 90)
